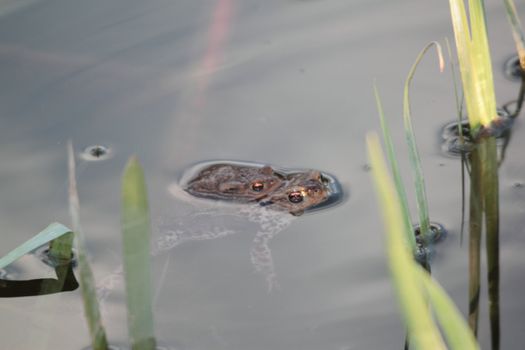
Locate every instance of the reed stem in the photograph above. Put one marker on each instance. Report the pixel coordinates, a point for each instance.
(475, 222)
(491, 205)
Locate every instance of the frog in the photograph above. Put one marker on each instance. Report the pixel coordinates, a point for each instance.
(300, 191)
(235, 182)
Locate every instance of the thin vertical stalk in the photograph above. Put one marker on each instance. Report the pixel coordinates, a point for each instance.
(86, 278)
(415, 161)
(475, 222)
(491, 204)
(400, 188)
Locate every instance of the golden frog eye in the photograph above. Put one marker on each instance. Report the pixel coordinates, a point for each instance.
(295, 197)
(257, 186)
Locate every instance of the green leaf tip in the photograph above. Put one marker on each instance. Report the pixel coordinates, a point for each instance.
(87, 281)
(134, 193)
(136, 233)
(422, 331)
(415, 161)
(414, 286)
(394, 167)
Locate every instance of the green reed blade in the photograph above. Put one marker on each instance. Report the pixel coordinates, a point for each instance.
(50, 233)
(480, 44)
(474, 60)
(455, 329)
(476, 69)
(87, 281)
(458, 100)
(490, 192)
(517, 32)
(459, 106)
(423, 333)
(419, 180)
(136, 242)
(462, 36)
(519, 40)
(400, 188)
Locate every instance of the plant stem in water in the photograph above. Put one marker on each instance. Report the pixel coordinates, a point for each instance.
(475, 221)
(491, 205)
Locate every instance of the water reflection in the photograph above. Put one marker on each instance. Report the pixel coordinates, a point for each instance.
(212, 219)
(217, 220)
(64, 282)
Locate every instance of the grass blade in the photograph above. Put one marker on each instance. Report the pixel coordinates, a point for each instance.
(476, 69)
(475, 64)
(415, 161)
(519, 40)
(136, 242)
(462, 36)
(517, 32)
(459, 106)
(422, 331)
(456, 330)
(87, 283)
(400, 188)
(483, 71)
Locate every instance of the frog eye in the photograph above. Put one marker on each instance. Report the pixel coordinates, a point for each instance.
(295, 197)
(257, 186)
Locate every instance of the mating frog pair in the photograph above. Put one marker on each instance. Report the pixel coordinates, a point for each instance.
(294, 192)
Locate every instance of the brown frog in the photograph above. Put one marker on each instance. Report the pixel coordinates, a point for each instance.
(241, 183)
(294, 192)
(299, 192)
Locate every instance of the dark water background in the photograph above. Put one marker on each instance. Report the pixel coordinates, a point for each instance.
(282, 82)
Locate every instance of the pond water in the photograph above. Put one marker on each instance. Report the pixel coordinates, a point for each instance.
(286, 83)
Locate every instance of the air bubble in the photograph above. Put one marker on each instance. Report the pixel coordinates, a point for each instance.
(425, 250)
(96, 152)
(437, 232)
(512, 69)
(452, 145)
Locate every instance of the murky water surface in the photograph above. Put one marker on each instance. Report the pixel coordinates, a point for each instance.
(285, 83)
